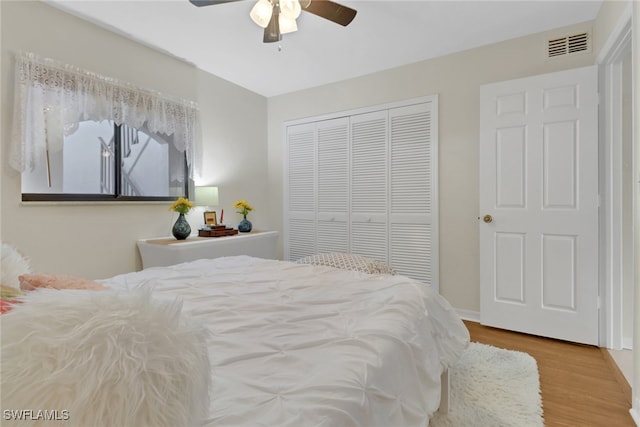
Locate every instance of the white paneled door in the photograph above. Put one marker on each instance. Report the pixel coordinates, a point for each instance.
(369, 192)
(300, 201)
(539, 205)
(332, 185)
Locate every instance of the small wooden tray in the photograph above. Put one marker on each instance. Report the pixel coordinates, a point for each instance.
(217, 231)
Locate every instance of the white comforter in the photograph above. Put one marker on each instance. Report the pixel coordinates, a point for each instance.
(301, 345)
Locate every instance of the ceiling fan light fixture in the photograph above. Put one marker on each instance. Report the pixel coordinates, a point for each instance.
(279, 16)
(290, 8)
(262, 12)
(287, 25)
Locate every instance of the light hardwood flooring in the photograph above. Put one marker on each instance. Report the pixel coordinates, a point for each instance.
(581, 386)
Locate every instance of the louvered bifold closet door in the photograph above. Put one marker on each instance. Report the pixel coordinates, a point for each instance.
(300, 230)
(332, 234)
(369, 194)
(413, 217)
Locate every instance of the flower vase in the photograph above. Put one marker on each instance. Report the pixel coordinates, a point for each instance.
(245, 225)
(181, 229)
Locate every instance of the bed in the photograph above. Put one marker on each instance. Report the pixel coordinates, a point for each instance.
(296, 344)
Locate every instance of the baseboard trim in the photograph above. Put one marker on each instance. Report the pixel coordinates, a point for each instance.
(471, 315)
(635, 414)
(617, 373)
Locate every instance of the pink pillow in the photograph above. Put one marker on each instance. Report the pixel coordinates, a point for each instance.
(30, 282)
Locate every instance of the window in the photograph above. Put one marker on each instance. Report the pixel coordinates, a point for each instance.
(106, 161)
(66, 144)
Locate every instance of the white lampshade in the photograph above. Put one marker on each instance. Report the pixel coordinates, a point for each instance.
(206, 196)
(261, 12)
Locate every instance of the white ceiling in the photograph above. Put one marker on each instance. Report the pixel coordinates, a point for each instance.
(224, 41)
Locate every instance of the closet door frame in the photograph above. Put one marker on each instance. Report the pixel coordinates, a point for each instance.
(434, 217)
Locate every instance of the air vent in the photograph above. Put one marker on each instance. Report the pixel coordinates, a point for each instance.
(578, 43)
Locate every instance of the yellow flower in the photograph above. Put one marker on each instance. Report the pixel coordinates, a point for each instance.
(243, 207)
(182, 205)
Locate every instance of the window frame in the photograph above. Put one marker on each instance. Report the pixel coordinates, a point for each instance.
(117, 175)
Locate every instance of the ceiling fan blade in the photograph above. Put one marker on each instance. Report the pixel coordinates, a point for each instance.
(272, 30)
(327, 9)
(201, 3)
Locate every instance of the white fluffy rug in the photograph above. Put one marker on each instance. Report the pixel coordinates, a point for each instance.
(492, 387)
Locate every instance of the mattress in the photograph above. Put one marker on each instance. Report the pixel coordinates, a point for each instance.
(305, 345)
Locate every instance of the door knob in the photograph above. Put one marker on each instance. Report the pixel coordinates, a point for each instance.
(487, 219)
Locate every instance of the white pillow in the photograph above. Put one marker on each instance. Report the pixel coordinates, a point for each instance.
(13, 264)
(348, 262)
(104, 359)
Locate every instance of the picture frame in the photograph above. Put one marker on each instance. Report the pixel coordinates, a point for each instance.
(210, 218)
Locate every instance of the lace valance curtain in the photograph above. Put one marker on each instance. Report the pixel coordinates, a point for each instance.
(52, 98)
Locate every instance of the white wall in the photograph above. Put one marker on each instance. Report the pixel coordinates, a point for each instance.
(635, 411)
(457, 79)
(1, 122)
(99, 240)
(627, 201)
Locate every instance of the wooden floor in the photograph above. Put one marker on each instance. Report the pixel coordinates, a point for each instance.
(580, 385)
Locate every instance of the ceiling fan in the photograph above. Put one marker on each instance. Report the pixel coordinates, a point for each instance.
(278, 17)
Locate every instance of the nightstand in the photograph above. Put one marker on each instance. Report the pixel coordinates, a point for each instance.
(168, 251)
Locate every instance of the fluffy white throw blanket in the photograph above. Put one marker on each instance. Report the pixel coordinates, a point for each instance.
(12, 265)
(102, 359)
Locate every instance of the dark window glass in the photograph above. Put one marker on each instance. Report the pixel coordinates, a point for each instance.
(105, 161)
